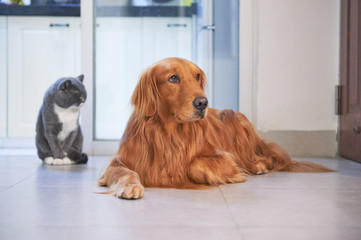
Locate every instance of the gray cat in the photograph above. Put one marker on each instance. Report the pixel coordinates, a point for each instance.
(59, 139)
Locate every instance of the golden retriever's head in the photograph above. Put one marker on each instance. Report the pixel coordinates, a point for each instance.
(172, 88)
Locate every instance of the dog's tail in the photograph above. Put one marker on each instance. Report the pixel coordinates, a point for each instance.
(304, 167)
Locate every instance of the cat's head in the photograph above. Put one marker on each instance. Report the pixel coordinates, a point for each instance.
(70, 92)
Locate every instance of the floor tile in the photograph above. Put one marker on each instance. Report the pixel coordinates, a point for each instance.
(303, 180)
(119, 232)
(293, 207)
(62, 176)
(73, 206)
(35, 174)
(61, 202)
(15, 169)
(301, 233)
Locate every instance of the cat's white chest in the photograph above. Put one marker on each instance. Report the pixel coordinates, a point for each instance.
(68, 117)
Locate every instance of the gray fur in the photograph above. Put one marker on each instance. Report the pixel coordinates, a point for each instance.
(67, 93)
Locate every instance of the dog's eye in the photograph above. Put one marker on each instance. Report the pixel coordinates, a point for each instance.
(198, 76)
(174, 79)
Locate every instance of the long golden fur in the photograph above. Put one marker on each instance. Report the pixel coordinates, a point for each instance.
(174, 140)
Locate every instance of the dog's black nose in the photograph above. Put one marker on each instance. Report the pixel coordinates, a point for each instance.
(200, 103)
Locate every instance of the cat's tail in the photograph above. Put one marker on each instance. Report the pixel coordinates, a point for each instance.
(83, 159)
(304, 167)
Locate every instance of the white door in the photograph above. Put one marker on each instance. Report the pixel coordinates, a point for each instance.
(40, 51)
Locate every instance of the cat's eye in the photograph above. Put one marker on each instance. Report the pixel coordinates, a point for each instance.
(174, 79)
(198, 76)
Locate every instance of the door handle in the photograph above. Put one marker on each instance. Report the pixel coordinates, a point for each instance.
(176, 25)
(59, 24)
(209, 27)
(357, 129)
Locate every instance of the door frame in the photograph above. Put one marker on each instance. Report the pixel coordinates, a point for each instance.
(90, 146)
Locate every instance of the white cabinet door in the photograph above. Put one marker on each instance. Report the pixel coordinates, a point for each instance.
(40, 50)
(125, 46)
(166, 37)
(3, 82)
(118, 65)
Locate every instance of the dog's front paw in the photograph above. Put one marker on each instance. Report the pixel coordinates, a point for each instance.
(261, 168)
(129, 191)
(238, 178)
(132, 191)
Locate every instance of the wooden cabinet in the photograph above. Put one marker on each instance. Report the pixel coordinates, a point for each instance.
(40, 50)
(125, 46)
(3, 82)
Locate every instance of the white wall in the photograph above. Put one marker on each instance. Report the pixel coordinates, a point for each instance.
(296, 64)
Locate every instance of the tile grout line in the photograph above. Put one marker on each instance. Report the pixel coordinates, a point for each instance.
(23, 179)
(229, 212)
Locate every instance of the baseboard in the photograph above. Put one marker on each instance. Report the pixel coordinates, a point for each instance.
(305, 143)
(12, 142)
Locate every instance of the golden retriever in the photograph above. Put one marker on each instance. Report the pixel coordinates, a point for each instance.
(174, 140)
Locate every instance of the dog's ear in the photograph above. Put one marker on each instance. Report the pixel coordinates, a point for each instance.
(203, 79)
(145, 95)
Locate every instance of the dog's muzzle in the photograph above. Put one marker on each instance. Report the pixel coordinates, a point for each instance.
(200, 103)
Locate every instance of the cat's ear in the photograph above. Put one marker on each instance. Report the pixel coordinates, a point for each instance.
(65, 85)
(80, 77)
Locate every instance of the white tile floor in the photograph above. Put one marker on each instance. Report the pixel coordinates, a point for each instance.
(59, 202)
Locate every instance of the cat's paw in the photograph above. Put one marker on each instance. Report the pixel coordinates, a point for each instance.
(53, 161)
(67, 161)
(58, 161)
(49, 160)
